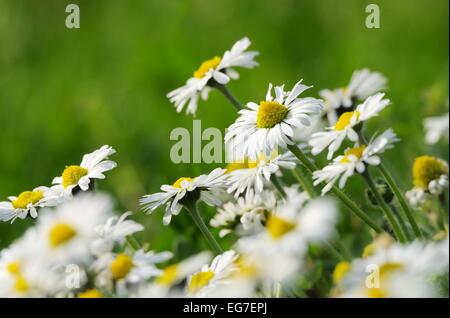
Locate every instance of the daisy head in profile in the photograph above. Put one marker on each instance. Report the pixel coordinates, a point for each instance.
(216, 71)
(263, 127)
(114, 231)
(354, 160)
(363, 83)
(28, 203)
(91, 167)
(430, 178)
(253, 175)
(346, 125)
(186, 190)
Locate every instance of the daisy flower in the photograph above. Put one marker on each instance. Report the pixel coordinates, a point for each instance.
(28, 203)
(115, 230)
(218, 70)
(354, 159)
(66, 234)
(203, 187)
(293, 225)
(246, 215)
(345, 126)
(252, 175)
(396, 271)
(263, 127)
(92, 166)
(219, 272)
(176, 273)
(430, 178)
(24, 272)
(125, 268)
(363, 83)
(436, 128)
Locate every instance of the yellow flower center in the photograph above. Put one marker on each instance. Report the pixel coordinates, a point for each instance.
(376, 293)
(121, 266)
(13, 268)
(169, 276)
(90, 293)
(385, 270)
(177, 184)
(241, 165)
(206, 66)
(277, 227)
(72, 174)
(21, 285)
(60, 234)
(344, 120)
(199, 280)
(26, 198)
(357, 152)
(340, 271)
(426, 169)
(270, 114)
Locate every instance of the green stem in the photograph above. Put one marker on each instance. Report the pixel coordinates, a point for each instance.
(133, 242)
(340, 194)
(401, 221)
(304, 181)
(193, 211)
(387, 211)
(226, 92)
(278, 186)
(401, 199)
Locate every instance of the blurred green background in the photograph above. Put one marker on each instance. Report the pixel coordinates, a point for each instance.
(65, 92)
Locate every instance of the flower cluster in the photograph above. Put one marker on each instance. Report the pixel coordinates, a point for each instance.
(283, 237)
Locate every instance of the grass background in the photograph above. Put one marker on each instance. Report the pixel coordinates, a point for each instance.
(66, 92)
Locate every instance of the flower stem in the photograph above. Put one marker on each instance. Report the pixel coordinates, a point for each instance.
(401, 221)
(277, 185)
(387, 211)
(340, 194)
(304, 181)
(226, 92)
(131, 239)
(401, 199)
(193, 211)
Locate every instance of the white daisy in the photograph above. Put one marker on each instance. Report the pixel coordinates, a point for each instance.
(363, 83)
(246, 215)
(92, 166)
(397, 271)
(253, 175)
(263, 127)
(66, 234)
(28, 202)
(292, 226)
(219, 272)
(200, 188)
(24, 272)
(218, 70)
(430, 178)
(436, 128)
(128, 268)
(176, 273)
(115, 230)
(354, 159)
(344, 127)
